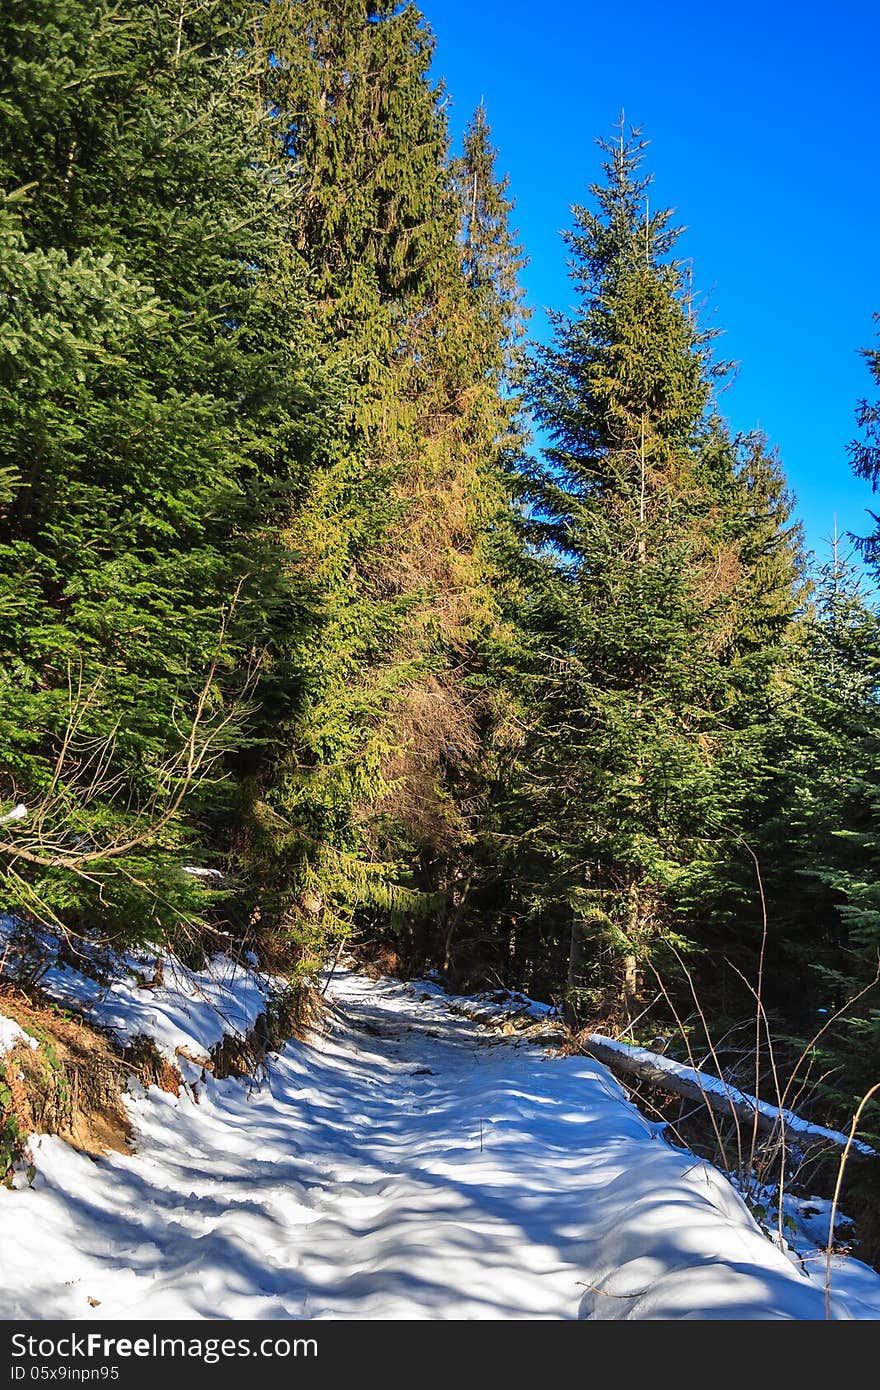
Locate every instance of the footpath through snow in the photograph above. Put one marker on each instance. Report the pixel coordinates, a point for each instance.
(403, 1163)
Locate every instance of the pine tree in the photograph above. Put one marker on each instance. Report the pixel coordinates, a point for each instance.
(492, 261)
(397, 526)
(864, 451)
(820, 832)
(630, 620)
(143, 408)
(759, 642)
(842, 719)
(821, 811)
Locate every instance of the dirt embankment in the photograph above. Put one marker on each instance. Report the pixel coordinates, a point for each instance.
(71, 1084)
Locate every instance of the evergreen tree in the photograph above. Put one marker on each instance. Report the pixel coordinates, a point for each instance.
(398, 525)
(844, 796)
(143, 404)
(760, 644)
(819, 833)
(631, 616)
(864, 451)
(491, 259)
(821, 807)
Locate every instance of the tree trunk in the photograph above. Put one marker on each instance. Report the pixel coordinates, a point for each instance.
(630, 986)
(575, 954)
(727, 1102)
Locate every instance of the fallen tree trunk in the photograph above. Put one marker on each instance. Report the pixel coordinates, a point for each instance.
(724, 1100)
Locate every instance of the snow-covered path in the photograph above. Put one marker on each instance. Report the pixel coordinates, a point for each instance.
(403, 1164)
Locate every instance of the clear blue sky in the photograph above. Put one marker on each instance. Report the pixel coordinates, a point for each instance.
(764, 120)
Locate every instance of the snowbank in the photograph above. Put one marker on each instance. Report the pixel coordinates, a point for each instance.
(143, 992)
(175, 1006)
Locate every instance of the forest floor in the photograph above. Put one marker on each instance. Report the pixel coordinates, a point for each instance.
(403, 1161)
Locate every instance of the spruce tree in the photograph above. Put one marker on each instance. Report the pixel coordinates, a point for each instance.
(154, 429)
(491, 258)
(398, 525)
(844, 797)
(864, 451)
(629, 616)
(759, 641)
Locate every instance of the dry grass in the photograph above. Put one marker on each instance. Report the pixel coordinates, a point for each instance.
(291, 1015)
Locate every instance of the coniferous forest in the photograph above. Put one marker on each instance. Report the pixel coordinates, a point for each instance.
(318, 577)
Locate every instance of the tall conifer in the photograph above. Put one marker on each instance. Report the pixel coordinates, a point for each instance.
(142, 402)
(630, 614)
(397, 526)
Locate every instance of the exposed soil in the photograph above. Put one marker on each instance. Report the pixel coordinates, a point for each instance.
(72, 1084)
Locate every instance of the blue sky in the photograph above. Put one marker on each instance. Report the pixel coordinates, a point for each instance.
(765, 128)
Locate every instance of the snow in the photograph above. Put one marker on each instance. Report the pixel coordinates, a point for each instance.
(794, 1124)
(11, 1033)
(403, 1162)
(190, 1009)
(501, 1004)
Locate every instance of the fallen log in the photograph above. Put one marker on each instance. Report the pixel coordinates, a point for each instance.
(724, 1100)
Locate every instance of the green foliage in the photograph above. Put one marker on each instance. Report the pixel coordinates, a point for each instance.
(864, 451)
(281, 591)
(832, 809)
(652, 601)
(491, 259)
(154, 431)
(12, 1141)
(251, 396)
(356, 811)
